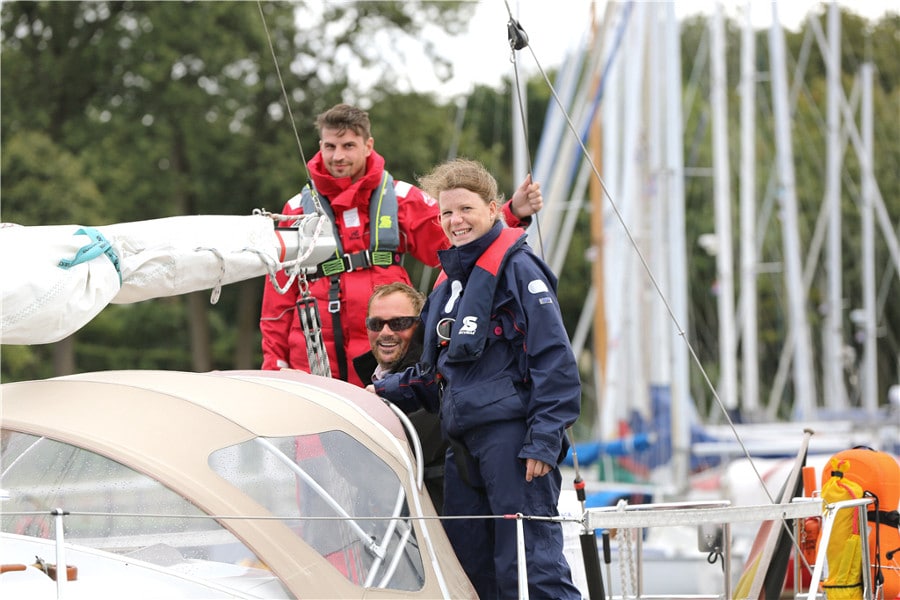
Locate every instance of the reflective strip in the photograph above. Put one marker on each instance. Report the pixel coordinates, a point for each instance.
(333, 266)
(382, 258)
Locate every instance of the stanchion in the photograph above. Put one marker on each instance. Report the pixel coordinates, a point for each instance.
(588, 539)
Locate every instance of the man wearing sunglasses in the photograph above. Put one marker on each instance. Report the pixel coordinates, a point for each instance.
(395, 338)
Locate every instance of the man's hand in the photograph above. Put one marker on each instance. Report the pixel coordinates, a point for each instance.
(370, 388)
(535, 468)
(527, 200)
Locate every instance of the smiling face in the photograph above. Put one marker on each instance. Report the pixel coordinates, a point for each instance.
(465, 216)
(344, 152)
(387, 345)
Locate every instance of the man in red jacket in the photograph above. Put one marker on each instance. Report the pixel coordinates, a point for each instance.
(376, 221)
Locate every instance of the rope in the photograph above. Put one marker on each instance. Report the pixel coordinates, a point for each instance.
(98, 245)
(291, 267)
(217, 288)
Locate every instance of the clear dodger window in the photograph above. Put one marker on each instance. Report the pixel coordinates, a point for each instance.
(336, 494)
(115, 509)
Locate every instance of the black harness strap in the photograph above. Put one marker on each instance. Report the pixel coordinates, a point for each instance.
(384, 242)
(434, 472)
(463, 459)
(334, 307)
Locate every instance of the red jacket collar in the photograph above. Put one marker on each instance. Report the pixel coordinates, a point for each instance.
(340, 191)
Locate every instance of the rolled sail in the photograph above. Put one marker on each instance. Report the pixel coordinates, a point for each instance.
(56, 278)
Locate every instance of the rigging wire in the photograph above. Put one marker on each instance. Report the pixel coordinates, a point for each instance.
(518, 39)
(307, 307)
(287, 103)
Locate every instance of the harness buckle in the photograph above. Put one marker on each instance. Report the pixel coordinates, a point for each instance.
(334, 306)
(358, 260)
(443, 329)
(364, 259)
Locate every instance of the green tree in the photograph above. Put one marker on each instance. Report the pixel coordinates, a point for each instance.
(176, 108)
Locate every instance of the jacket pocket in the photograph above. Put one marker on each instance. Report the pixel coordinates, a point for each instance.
(485, 402)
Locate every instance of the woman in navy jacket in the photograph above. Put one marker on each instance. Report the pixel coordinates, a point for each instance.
(498, 366)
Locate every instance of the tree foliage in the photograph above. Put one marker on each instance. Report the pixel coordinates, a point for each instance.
(125, 111)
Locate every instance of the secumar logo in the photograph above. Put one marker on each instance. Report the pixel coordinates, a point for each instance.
(384, 222)
(469, 326)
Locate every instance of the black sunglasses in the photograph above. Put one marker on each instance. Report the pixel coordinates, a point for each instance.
(396, 324)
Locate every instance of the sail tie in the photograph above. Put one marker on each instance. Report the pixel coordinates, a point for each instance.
(99, 245)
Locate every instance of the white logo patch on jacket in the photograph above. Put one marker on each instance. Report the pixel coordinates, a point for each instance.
(536, 286)
(469, 326)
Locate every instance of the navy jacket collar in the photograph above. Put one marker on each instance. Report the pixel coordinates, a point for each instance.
(459, 261)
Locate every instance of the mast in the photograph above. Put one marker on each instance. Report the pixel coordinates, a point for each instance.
(870, 347)
(682, 408)
(660, 367)
(748, 304)
(722, 198)
(625, 382)
(613, 158)
(595, 140)
(632, 203)
(835, 394)
(804, 386)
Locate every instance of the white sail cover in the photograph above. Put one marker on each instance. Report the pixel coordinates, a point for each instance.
(44, 300)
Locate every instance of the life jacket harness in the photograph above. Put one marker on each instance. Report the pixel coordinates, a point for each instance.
(468, 334)
(384, 231)
(384, 240)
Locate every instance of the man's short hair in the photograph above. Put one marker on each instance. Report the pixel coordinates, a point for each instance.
(344, 116)
(416, 297)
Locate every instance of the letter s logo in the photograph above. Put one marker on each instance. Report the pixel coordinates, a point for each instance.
(469, 326)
